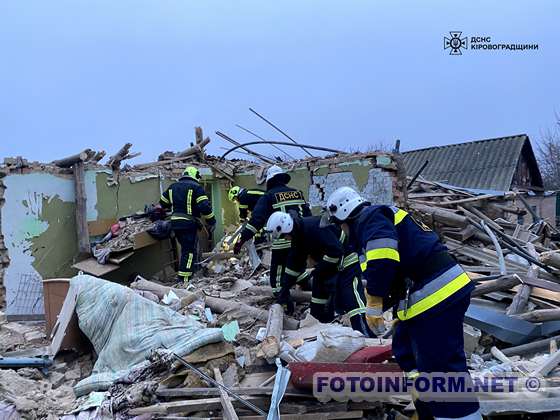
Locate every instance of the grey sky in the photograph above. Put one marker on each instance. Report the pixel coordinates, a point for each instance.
(78, 74)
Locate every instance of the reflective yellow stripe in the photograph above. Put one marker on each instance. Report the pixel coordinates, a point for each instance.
(399, 216)
(331, 259)
(184, 273)
(165, 200)
(356, 294)
(189, 202)
(319, 301)
(171, 199)
(279, 276)
(379, 254)
(342, 236)
(243, 206)
(303, 276)
(432, 300)
(181, 218)
(356, 311)
(255, 192)
(201, 198)
(276, 289)
(349, 260)
(281, 246)
(189, 260)
(208, 216)
(292, 272)
(251, 228)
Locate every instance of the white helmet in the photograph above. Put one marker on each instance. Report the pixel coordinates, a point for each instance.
(279, 223)
(274, 171)
(342, 202)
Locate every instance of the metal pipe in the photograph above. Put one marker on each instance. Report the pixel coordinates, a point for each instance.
(303, 146)
(236, 143)
(277, 129)
(417, 174)
(219, 385)
(263, 139)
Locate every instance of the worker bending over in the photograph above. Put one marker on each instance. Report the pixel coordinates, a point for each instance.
(188, 203)
(278, 197)
(408, 268)
(246, 198)
(335, 283)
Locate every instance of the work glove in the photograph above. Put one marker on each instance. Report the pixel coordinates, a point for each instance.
(374, 314)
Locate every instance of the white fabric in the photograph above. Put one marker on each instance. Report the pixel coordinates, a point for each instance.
(125, 327)
(342, 202)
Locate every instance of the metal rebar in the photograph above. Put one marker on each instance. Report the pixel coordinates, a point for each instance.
(263, 139)
(242, 146)
(417, 174)
(285, 143)
(277, 129)
(219, 385)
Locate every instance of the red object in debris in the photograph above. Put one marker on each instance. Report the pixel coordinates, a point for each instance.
(302, 372)
(372, 354)
(115, 229)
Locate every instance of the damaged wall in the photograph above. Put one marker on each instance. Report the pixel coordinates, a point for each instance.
(37, 219)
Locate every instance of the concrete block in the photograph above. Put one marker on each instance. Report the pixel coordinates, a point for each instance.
(56, 379)
(471, 335)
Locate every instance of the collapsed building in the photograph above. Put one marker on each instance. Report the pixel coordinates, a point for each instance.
(209, 351)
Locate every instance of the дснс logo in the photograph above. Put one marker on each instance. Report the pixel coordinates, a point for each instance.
(455, 43)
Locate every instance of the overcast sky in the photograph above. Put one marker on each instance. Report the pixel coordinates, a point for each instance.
(344, 74)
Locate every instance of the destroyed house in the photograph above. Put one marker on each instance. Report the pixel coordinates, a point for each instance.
(493, 165)
(38, 214)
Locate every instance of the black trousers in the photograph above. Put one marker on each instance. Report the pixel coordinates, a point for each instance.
(186, 234)
(277, 267)
(350, 298)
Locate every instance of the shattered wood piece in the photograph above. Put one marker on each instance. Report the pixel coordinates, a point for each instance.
(222, 305)
(210, 352)
(502, 283)
(551, 258)
(197, 149)
(123, 154)
(481, 215)
(98, 156)
(270, 346)
(548, 365)
(504, 359)
(540, 315)
(443, 216)
(521, 298)
(524, 349)
(67, 162)
(269, 380)
(227, 406)
(298, 296)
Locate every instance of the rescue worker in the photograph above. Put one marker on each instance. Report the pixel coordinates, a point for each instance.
(335, 281)
(278, 196)
(408, 268)
(247, 199)
(188, 203)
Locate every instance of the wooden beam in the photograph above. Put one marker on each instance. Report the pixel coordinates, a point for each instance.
(228, 411)
(67, 162)
(270, 346)
(503, 283)
(540, 315)
(521, 298)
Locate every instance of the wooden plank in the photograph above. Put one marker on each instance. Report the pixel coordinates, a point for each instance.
(121, 257)
(63, 319)
(142, 240)
(215, 392)
(521, 298)
(91, 266)
(227, 407)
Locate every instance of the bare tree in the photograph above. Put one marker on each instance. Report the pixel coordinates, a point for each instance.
(548, 155)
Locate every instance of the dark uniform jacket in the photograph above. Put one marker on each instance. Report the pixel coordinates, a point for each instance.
(278, 197)
(394, 247)
(322, 244)
(247, 199)
(188, 202)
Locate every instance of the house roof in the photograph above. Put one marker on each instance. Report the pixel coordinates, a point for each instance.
(484, 164)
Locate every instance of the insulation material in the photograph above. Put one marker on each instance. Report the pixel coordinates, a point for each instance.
(124, 328)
